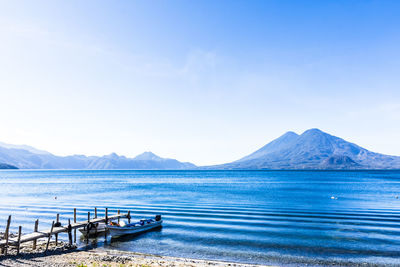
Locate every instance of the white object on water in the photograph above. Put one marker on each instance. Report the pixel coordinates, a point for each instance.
(134, 228)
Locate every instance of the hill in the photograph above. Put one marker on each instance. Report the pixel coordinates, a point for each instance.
(7, 166)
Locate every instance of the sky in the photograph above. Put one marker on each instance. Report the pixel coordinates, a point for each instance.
(201, 81)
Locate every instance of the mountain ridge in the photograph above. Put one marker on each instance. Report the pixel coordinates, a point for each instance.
(25, 147)
(313, 149)
(27, 159)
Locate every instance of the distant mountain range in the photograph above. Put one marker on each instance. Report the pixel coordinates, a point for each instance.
(26, 157)
(313, 149)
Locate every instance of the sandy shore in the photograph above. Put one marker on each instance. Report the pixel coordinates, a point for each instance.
(63, 255)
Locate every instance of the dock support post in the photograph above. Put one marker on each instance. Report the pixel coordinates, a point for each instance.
(106, 221)
(95, 216)
(129, 216)
(106, 215)
(74, 222)
(19, 239)
(35, 230)
(69, 232)
(48, 240)
(87, 227)
(58, 220)
(4, 249)
(118, 216)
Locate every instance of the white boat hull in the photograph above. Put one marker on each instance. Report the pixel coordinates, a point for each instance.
(101, 228)
(120, 231)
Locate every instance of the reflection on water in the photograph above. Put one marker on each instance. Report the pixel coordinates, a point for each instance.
(246, 216)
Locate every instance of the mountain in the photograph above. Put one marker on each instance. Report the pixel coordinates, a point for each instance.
(145, 161)
(25, 147)
(314, 149)
(7, 166)
(147, 156)
(25, 157)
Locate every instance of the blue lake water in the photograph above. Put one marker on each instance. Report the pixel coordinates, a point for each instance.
(268, 217)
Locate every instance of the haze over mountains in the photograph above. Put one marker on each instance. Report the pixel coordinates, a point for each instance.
(313, 149)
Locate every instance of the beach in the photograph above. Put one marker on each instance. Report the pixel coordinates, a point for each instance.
(64, 255)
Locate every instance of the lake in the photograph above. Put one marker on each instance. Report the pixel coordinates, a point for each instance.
(266, 217)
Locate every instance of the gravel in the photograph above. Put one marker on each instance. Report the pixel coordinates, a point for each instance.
(65, 255)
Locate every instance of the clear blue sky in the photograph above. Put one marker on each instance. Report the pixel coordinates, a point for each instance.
(200, 81)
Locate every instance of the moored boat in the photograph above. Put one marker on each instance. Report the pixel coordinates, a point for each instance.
(92, 229)
(134, 228)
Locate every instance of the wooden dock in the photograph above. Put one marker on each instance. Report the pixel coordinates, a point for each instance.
(54, 230)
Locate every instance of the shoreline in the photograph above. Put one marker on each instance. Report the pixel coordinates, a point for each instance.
(67, 256)
(71, 256)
